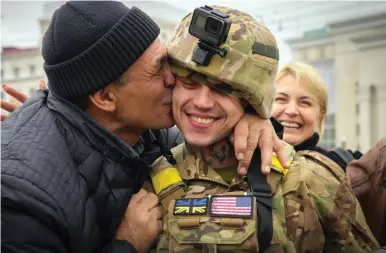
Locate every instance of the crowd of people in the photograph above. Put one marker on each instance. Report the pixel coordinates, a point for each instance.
(136, 146)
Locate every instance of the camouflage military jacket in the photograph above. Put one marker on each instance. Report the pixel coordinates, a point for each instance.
(314, 209)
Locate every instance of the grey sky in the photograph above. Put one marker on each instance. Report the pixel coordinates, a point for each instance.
(20, 19)
(19, 23)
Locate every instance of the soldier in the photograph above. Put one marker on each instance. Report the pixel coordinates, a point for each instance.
(208, 207)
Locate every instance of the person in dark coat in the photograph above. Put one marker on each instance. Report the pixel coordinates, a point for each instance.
(68, 166)
(367, 177)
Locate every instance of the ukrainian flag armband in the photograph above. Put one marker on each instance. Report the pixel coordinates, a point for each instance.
(165, 178)
(276, 163)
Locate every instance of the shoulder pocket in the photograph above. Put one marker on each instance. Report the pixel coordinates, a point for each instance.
(332, 166)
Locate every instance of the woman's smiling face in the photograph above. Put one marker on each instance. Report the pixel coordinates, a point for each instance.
(297, 110)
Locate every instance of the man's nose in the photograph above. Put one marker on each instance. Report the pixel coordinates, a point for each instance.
(203, 98)
(169, 79)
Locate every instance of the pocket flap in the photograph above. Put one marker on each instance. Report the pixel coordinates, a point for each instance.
(211, 232)
(189, 227)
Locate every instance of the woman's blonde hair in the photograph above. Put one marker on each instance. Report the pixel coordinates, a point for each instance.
(312, 81)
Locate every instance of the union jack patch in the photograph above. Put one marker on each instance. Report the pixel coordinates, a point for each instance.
(231, 206)
(190, 206)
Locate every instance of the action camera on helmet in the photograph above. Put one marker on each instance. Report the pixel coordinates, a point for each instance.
(211, 27)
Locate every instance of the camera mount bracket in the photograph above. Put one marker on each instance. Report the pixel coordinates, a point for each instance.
(203, 53)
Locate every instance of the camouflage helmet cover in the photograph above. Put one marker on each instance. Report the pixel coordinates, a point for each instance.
(249, 68)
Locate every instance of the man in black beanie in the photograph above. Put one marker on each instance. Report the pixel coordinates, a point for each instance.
(68, 168)
(69, 171)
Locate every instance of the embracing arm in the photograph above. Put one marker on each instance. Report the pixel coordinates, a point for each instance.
(339, 212)
(31, 224)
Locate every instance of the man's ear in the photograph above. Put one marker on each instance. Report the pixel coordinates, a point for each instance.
(104, 99)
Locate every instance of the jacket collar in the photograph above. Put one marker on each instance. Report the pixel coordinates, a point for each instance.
(308, 144)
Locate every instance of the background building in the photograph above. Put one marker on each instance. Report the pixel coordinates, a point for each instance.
(23, 68)
(349, 49)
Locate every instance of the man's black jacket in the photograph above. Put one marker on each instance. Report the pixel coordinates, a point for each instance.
(66, 181)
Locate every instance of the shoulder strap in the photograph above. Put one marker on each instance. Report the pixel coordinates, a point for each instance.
(263, 194)
(263, 189)
(157, 139)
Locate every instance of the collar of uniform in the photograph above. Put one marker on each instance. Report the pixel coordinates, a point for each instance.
(193, 168)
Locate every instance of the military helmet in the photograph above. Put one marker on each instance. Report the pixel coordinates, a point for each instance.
(246, 72)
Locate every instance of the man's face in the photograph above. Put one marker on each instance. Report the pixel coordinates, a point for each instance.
(203, 115)
(144, 97)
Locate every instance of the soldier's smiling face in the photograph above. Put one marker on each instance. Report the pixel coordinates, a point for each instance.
(204, 115)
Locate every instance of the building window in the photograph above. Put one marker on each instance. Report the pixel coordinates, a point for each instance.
(16, 72)
(328, 139)
(2, 74)
(32, 70)
(358, 129)
(326, 69)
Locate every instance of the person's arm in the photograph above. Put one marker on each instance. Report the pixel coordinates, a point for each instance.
(332, 206)
(31, 222)
(119, 246)
(366, 176)
(23, 233)
(344, 223)
(29, 218)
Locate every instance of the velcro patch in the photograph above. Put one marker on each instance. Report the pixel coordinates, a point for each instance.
(190, 206)
(231, 206)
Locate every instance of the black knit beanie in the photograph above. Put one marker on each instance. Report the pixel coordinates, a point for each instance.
(90, 44)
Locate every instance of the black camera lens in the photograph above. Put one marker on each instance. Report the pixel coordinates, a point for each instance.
(213, 26)
(200, 21)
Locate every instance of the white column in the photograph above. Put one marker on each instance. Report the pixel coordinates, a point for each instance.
(364, 119)
(381, 111)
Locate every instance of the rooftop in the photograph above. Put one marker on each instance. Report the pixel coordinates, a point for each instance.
(11, 51)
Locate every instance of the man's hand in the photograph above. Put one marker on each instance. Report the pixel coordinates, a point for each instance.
(18, 95)
(250, 131)
(142, 222)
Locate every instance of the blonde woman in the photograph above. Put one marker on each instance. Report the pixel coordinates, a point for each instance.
(301, 102)
(301, 107)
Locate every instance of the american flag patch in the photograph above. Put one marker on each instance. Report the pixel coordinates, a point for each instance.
(230, 206)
